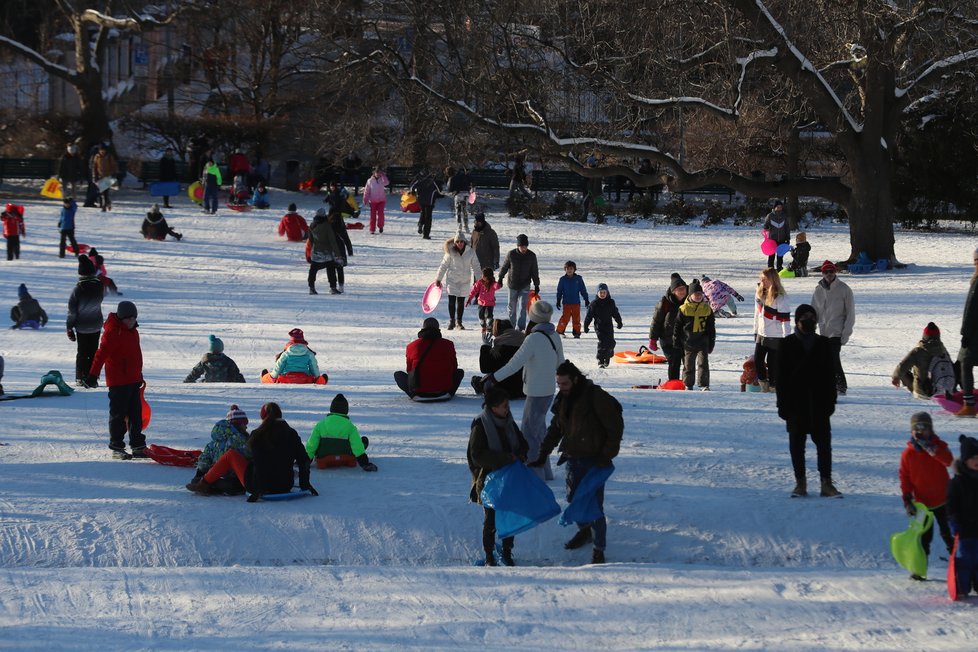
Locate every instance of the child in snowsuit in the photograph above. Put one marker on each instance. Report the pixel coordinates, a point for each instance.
(914, 371)
(211, 181)
(570, 291)
(494, 442)
(28, 312)
(293, 226)
(336, 435)
(155, 226)
(721, 297)
(695, 333)
(260, 198)
(214, 366)
(602, 311)
(297, 363)
(66, 225)
(484, 291)
(663, 320)
(923, 477)
(239, 190)
(13, 229)
(84, 323)
(799, 255)
(962, 514)
(230, 433)
(103, 276)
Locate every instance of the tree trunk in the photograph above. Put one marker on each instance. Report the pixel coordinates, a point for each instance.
(94, 110)
(870, 210)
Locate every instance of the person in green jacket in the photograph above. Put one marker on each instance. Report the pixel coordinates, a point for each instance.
(211, 181)
(336, 435)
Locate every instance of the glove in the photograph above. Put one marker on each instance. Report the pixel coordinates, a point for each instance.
(909, 506)
(468, 303)
(438, 284)
(557, 305)
(653, 344)
(739, 298)
(253, 498)
(310, 489)
(895, 382)
(587, 329)
(587, 303)
(540, 461)
(369, 466)
(620, 325)
(71, 335)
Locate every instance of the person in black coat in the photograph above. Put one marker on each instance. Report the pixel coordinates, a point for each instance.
(506, 341)
(427, 191)
(168, 172)
(663, 320)
(962, 513)
(71, 171)
(155, 226)
(84, 323)
(603, 312)
(806, 398)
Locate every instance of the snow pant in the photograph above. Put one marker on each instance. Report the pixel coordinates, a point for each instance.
(674, 357)
(335, 274)
(606, 344)
(461, 209)
(401, 379)
(67, 235)
(966, 360)
(456, 306)
(821, 431)
(698, 361)
(534, 427)
(776, 258)
(571, 313)
(940, 517)
(126, 413)
(377, 215)
(104, 201)
(1, 367)
(577, 468)
(966, 566)
(87, 346)
(210, 198)
(313, 273)
(232, 460)
(489, 532)
(485, 317)
(519, 302)
(424, 221)
(766, 359)
(13, 247)
(835, 345)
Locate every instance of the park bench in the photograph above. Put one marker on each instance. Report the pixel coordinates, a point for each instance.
(27, 168)
(556, 181)
(715, 189)
(149, 171)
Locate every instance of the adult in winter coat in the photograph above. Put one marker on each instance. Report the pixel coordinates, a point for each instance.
(275, 448)
(66, 226)
(330, 247)
(695, 334)
(603, 311)
(458, 185)
(913, 372)
(427, 191)
(84, 323)
(119, 352)
(521, 265)
(836, 308)
(923, 477)
(238, 164)
(962, 513)
(293, 226)
(538, 357)
(432, 358)
(721, 297)
(494, 442)
(155, 226)
(485, 242)
(336, 435)
(214, 366)
(587, 423)
(375, 196)
(459, 266)
(13, 229)
(212, 181)
(506, 341)
(168, 172)
(297, 363)
(968, 354)
(104, 166)
(778, 229)
(806, 398)
(27, 311)
(663, 320)
(771, 326)
(71, 171)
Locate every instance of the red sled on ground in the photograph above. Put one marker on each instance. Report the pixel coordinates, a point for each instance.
(295, 378)
(354, 226)
(82, 248)
(172, 456)
(642, 356)
(335, 461)
(241, 208)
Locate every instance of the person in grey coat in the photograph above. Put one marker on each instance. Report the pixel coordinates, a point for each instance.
(84, 323)
(778, 229)
(485, 242)
(521, 265)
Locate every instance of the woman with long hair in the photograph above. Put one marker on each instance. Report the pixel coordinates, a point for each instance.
(772, 323)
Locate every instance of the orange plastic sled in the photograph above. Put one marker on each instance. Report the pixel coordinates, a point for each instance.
(642, 356)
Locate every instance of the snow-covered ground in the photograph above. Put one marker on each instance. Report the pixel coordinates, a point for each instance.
(706, 550)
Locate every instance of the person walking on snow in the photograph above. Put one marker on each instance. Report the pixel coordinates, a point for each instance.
(663, 320)
(485, 242)
(459, 266)
(602, 312)
(968, 354)
(521, 265)
(84, 323)
(777, 228)
(375, 196)
(836, 309)
(570, 291)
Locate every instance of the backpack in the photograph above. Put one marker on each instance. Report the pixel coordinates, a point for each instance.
(940, 373)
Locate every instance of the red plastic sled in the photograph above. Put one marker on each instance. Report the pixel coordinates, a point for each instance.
(241, 208)
(335, 461)
(172, 456)
(354, 226)
(295, 378)
(952, 580)
(430, 299)
(673, 384)
(533, 298)
(82, 248)
(147, 410)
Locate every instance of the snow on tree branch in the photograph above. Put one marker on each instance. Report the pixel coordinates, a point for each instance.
(669, 102)
(37, 58)
(948, 64)
(743, 62)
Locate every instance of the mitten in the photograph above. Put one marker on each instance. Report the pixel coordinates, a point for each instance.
(620, 325)
(438, 284)
(557, 305)
(71, 335)
(653, 344)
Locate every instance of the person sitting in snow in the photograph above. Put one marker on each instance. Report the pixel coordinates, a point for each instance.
(155, 226)
(260, 197)
(293, 226)
(962, 514)
(914, 371)
(230, 433)
(240, 192)
(336, 435)
(720, 297)
(296, 364)
(28, 312)
(214, 366)
(432, 372)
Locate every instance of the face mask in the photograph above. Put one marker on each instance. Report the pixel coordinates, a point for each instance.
(806, 326)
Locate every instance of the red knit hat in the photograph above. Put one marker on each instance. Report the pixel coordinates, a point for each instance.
(931, 330)
(828, 266)
(296, 336)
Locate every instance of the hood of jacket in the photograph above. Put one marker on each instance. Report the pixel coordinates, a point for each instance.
(509, 337)
(296, 350)
(113, 323)
(154, 218)
(449, 247)
(429, 333)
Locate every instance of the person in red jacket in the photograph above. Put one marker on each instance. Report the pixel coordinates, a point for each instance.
(119, 353)
(13, 229)
(432, 358)
(293, 226)
(924, 478)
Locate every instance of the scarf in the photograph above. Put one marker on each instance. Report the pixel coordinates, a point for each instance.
(492, 424)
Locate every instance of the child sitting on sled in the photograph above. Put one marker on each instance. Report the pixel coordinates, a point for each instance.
(296, 364)
(260, 198)
(28, 313)
(230, 433)
(335, 441)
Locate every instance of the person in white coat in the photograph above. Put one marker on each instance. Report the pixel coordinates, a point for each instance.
(772, 323)
(538, 357)
(836, 310)
(458, 270)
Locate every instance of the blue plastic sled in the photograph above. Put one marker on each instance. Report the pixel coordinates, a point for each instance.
(164, 189)
(289, 495)
(521, 499)
(584, 508)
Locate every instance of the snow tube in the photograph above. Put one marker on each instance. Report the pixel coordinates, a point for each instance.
(642, 356)
(335, 461)
(786, 273)
(769, 247)
(172, 456)
(289, 495)
(164, 189)
(521, 499)
(51, 189)
(82, 248)
(906, 546)
(241, 208)
(430, 299)
(409, 203)
(673, 384)
(584, 508)
(195, 192)
(352, 203)
(295, 378)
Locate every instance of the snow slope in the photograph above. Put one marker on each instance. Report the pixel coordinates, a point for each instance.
(706, 550)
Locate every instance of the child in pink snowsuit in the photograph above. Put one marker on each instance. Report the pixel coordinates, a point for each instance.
(484, 291)
(376, 197)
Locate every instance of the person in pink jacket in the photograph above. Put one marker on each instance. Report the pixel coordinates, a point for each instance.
(375, 195)
(484, 292)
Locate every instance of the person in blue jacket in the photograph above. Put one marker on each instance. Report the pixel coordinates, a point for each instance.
(570, 291)
(66, 224)
(260, 197)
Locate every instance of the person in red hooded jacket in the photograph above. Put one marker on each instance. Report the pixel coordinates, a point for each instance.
(293, 226)
(924, 478)
(13, 229)
(433, 360)
(119, 353)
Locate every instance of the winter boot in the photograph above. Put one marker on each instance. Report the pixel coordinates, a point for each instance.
(140, 453)
(312, 290)
(801, 488)
(597, 556)
(120, 454)
(765, 386)
(333, 290)
(451, 325)
(580, 539)
(491, 558)
(459, 326)
(967, 410)
(577, 335)
(507, 552)
(200, 486)
(829, 490)
(340, 288)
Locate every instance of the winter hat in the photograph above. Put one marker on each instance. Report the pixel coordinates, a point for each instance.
(339, 405)
(320, 212)
(292, 208)
(460, 237)
(931, 330)
(22, 292)
(922, 418)
(236, 414)
(969, 446)
(126, 309)
(85, 266)
(430, 322)
(676, 281)
(801, 237)
(541, 312)
(156, 208)
(603, 286)
(694, 286)
(705, 278)
(778, 202)
(804, 309)
(296, 336)
(480, 217)
(216, 346)
(828, 266)
(522, 240)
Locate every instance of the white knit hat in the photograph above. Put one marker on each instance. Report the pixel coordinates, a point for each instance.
(541, 312)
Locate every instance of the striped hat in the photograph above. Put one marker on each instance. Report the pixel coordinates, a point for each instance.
(236, 414)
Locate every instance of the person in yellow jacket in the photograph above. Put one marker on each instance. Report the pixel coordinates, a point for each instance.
(695, 334)
(336, 435)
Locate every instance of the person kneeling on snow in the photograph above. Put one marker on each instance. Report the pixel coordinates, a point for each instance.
(432, 372)
(230, 433)
(155, 226)
(336, 437)
(214, 366)
(28, 312)
(296, 364)
(293, 226)
(927, 370)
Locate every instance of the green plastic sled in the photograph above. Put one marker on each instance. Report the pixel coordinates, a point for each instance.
(906, 546)
(53, 378)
